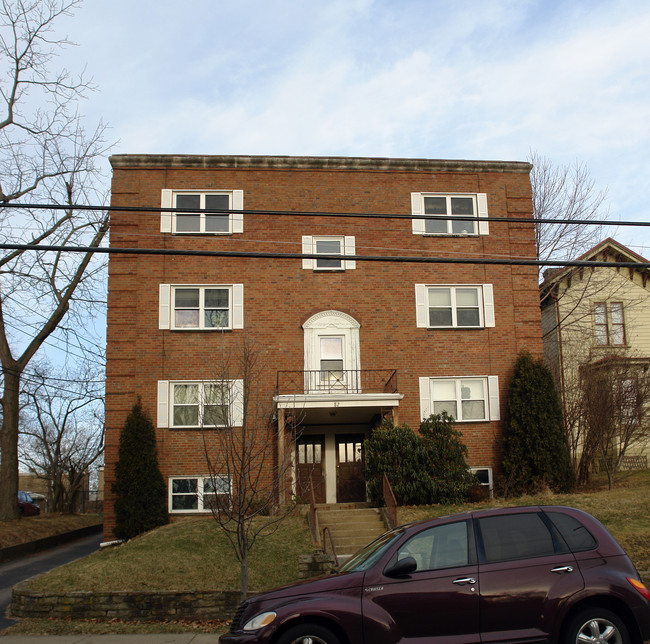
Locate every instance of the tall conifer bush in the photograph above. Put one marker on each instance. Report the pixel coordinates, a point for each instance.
(535, 450)
(141, 497)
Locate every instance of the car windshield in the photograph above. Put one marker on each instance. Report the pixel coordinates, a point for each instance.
(368, 556)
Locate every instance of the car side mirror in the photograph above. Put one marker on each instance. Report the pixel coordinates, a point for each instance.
(403, 567)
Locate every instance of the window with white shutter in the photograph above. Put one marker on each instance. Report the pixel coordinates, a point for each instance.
(466, 399)
(461, 306)
(334, 249)
(213, 307)
(449, 214)
(202, 212)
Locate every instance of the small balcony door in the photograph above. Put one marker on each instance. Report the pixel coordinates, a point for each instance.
(332, 360)
(332, 365)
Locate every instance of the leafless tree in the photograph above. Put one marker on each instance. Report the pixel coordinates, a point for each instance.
(62, 434)
(242, 455)
(569, 193)
(616, 410)
(46, 156)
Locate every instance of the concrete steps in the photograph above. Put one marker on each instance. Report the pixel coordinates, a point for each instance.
(351, 527)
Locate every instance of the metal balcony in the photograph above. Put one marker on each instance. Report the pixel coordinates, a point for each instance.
(363, 381)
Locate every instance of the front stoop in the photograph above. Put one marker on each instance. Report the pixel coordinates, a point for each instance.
(351, 526)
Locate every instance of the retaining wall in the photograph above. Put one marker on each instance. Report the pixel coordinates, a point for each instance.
(145, 605)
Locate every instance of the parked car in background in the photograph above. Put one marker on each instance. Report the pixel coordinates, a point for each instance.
(530, 574)
(26, 505)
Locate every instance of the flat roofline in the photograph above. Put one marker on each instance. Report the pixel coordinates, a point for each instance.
(252, 162)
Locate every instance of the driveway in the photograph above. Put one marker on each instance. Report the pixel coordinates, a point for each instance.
(15, 571)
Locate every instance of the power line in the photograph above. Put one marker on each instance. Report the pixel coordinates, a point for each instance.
(305, 213)
(359, 258)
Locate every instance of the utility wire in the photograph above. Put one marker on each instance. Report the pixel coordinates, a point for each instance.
(303, 213)
(359, 258)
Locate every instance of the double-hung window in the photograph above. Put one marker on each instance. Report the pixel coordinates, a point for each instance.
(449, 214)
(464, 399)
(198, 405)
(462, 306)
(334, 248)
(185, 307)
(609, 323)
(204, 212)
(198, 493)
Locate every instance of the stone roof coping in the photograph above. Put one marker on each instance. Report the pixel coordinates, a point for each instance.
(253, 162)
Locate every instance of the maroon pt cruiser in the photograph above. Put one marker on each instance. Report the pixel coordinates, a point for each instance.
(534, 574)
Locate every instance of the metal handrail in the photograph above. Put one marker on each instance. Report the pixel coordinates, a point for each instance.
(389, 501)
(313, 523)
(328, 532)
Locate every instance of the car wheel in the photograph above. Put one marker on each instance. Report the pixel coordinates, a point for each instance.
(308, 634)
(597, 626)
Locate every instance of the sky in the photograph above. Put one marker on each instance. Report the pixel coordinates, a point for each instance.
(468, 79)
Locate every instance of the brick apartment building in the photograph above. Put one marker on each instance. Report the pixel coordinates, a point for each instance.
(349, 341)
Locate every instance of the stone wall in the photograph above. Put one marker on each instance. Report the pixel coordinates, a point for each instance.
(151, 605)
(315, 565)
(154, 605)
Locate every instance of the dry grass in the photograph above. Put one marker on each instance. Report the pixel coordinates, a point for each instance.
(195, 555)
(625, 511)
(184, 556)
(27, 529)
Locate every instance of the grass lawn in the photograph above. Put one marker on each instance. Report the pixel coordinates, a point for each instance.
(194, 554)
(27, 529)
(184, 556)
(625, 511)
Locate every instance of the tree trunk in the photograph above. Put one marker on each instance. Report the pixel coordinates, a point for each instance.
(243, 577)
(9, 444)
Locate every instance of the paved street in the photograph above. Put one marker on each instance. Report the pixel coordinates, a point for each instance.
(15, 571)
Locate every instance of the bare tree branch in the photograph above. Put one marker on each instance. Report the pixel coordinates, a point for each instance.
(241, 453)
(46, 153)
(568, 193)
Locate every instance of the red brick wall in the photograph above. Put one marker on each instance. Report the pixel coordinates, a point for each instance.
(279, 295)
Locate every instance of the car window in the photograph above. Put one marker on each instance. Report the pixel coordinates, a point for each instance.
(575, 534)
(515, 536)
(443, 546)
(368, 556)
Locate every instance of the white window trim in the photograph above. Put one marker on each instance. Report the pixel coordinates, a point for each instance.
(328, 324)
(168, 219)
(165, 415)
(493, 411)
(309, 248)
(490, 483)
(166, 307)
(419, 225)
(200, 488)
(486, 311)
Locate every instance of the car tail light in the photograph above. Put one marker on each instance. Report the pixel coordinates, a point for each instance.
(640, 587)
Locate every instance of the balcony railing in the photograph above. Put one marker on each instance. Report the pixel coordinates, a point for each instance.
(366, 381)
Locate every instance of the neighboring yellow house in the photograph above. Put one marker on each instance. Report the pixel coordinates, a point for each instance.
(595, 321)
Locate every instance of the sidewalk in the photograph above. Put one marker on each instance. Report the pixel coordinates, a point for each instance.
(153, 638)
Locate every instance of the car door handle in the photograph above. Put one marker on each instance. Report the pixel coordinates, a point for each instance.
(464, 580)
(562, 569)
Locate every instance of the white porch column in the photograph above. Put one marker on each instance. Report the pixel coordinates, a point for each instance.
(330, 467)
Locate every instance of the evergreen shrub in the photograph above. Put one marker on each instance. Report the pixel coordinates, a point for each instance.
(139, 488)
(535, 450)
